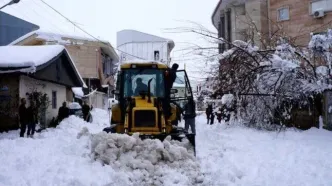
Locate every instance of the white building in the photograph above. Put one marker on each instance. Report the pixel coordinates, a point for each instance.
(143, 46)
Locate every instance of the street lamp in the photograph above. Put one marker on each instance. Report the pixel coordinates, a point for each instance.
(10, 3)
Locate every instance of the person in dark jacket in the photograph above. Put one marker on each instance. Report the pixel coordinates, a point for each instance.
(172, 74)
(32, 119)
(63, 112)
(169, 81)
(140, 86)
(23, 117)
(208, 113)
(85, 110)
(219, 115)
(189, 116)
(212, 118)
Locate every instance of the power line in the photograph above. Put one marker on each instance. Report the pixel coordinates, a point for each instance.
(45, 17)
(86, 31)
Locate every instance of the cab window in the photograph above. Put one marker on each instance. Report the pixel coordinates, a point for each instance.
(136, 81)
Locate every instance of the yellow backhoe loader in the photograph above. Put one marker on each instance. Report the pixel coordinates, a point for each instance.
(150, 97)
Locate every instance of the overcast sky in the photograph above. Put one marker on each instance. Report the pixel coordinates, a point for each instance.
(103, 18)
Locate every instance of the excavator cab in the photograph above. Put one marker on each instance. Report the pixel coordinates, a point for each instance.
(147, 104)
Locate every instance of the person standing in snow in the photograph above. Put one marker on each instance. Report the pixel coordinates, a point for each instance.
(23, 117)
(63, 112)
(208, 113)
(212, 118)
(189, 116)
(219, 115)
(32, 119)
(85, 110)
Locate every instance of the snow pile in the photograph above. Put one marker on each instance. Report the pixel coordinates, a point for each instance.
(234, 155)
(29, 57)
(227, 99)
(148, 162)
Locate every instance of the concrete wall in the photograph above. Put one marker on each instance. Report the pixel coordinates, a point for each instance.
(244, 15)
(301, 22)
(27, 85)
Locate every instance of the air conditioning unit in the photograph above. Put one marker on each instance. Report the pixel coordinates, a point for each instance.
(318, 13)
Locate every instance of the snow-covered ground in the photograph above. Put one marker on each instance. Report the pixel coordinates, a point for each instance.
(225, 156)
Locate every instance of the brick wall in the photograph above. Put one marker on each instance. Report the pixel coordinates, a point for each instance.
(86, 58)
(300, 23)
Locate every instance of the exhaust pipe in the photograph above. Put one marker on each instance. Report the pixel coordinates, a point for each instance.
(149, 88)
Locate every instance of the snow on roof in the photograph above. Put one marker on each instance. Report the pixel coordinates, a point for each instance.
(133, 36)
(59, 37)
(27, 57)
(78, 91)
(140, 61)
(66, 39)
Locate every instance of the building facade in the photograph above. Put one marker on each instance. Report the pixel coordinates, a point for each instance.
(137, 45)
(43, 74)
(12, 28)
(241, 20)
(96, 61)
(297, 19)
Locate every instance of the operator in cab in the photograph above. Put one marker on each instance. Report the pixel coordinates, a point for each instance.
(140, 86)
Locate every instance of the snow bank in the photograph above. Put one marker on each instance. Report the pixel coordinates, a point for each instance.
(149, 162)
(235, 155)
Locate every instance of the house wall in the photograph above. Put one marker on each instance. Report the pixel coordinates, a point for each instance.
(27, 85)
(144, 50)
(86, 56)
(301, 22)
(9, 102)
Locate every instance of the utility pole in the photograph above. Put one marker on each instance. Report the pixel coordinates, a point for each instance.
(10, 3)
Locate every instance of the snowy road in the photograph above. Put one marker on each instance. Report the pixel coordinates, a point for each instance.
(226, 156)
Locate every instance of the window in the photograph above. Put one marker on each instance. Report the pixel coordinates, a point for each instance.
(283, 14)
(54, 100)
(229, 28)
(136, 81)
(156, 55)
